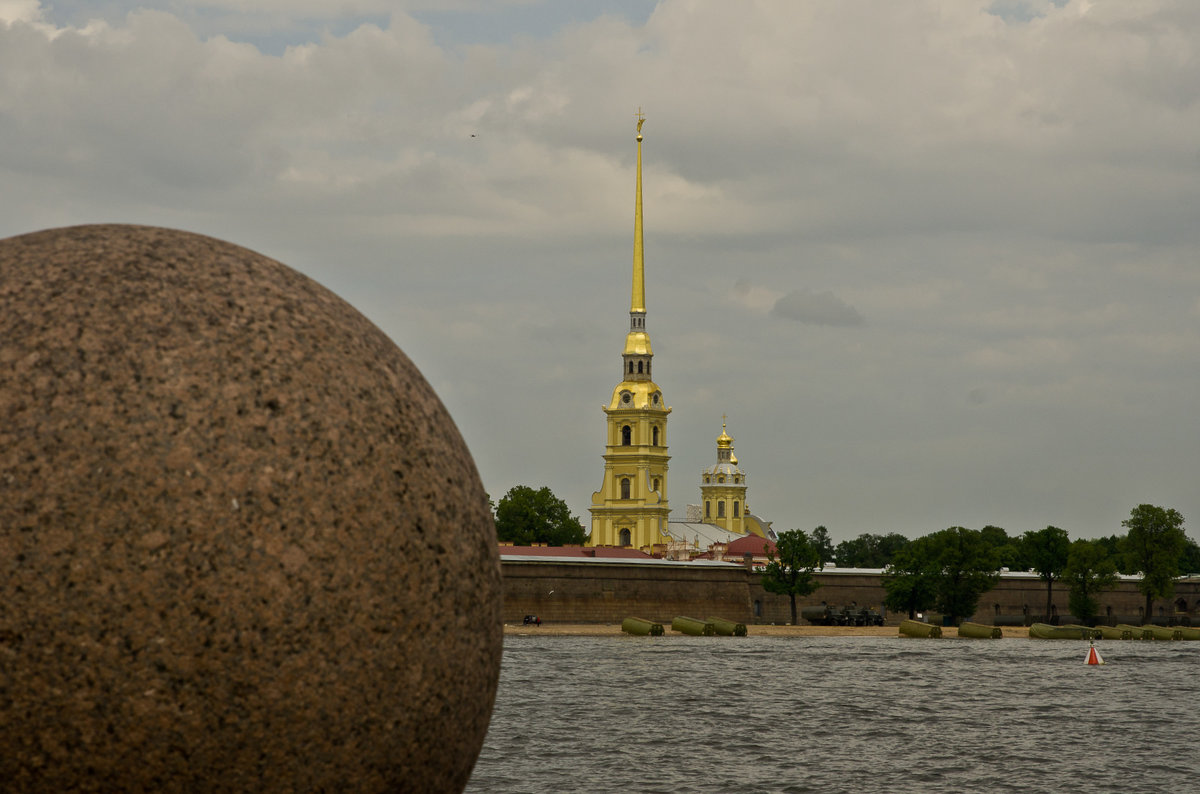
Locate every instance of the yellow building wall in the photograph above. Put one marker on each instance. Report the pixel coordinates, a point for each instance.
(645, 512)
(714, 495)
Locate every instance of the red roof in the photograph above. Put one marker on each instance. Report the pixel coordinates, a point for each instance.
(751, 544)
(573, 552)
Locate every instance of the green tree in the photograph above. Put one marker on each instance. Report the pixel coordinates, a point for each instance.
(1089, 572)
(887, 547)
(1154, 544)
(911, 578)
(1047, 550)
(967, 568)
(1189, 561)
(791, 573)
(869, 551)
(1114, 549)
(525, 516)
(1009, 550)
(851, 553)
(824, 546)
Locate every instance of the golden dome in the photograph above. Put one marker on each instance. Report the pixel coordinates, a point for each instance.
(724, 441)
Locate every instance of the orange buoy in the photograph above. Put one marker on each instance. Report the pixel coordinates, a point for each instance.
(1093, 656)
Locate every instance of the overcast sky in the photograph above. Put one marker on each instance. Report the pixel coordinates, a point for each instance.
(938, 262)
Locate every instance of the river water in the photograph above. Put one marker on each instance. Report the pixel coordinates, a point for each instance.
(841, 714)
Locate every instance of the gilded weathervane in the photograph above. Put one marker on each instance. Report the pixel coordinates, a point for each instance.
(640, 120)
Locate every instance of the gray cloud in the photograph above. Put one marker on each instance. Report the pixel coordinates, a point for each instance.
(816, 308)
(1000, 188)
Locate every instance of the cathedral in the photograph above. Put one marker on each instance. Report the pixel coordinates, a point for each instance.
(631, 508)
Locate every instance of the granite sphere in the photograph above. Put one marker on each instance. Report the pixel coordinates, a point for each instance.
(243, 546)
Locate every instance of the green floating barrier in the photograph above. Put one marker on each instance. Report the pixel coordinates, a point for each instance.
(641, 628)
(728, 628)
(979, 631)
(1189, 633)
(1044, 631)
(1088, 632)
(1136, 632)
(697, 628)
(1163, 633)
(915, 628)
(1115, 633)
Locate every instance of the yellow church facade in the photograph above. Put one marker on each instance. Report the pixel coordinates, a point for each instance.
(723, 489)
(723, 505)
(631, 507)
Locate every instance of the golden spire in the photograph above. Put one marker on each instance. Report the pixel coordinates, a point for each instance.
(638, 300)
(637, 341)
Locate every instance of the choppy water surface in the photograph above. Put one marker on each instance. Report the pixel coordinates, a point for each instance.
(724, 714)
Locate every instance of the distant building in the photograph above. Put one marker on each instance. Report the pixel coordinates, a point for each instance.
(631, 509)
(723, 516)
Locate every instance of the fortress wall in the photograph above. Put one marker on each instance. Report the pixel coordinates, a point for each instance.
(838, 589)
(590, 592)
(586, 592)
(1015, 598)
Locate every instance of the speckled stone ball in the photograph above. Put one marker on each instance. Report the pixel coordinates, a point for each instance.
(242, 544)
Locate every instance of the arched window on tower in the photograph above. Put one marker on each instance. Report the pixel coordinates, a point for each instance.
(707, 509)
(625, 537)
(624, 487)
(630, 367)
(735, 509)
(721, 509)
(656, 483)
(639, 368)
(655, 436)
(626, 436)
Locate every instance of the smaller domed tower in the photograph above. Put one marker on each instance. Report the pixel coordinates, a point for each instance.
(723, 488)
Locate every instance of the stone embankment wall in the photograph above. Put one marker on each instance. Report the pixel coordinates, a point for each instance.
(589, 592)
(610, 591)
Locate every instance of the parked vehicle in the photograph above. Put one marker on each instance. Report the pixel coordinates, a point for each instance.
(825, 615)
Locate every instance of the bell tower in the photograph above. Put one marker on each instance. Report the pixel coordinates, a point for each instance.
(631, 509)
(723, 488)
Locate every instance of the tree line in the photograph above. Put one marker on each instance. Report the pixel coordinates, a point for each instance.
(947, 570)
(951, 569)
